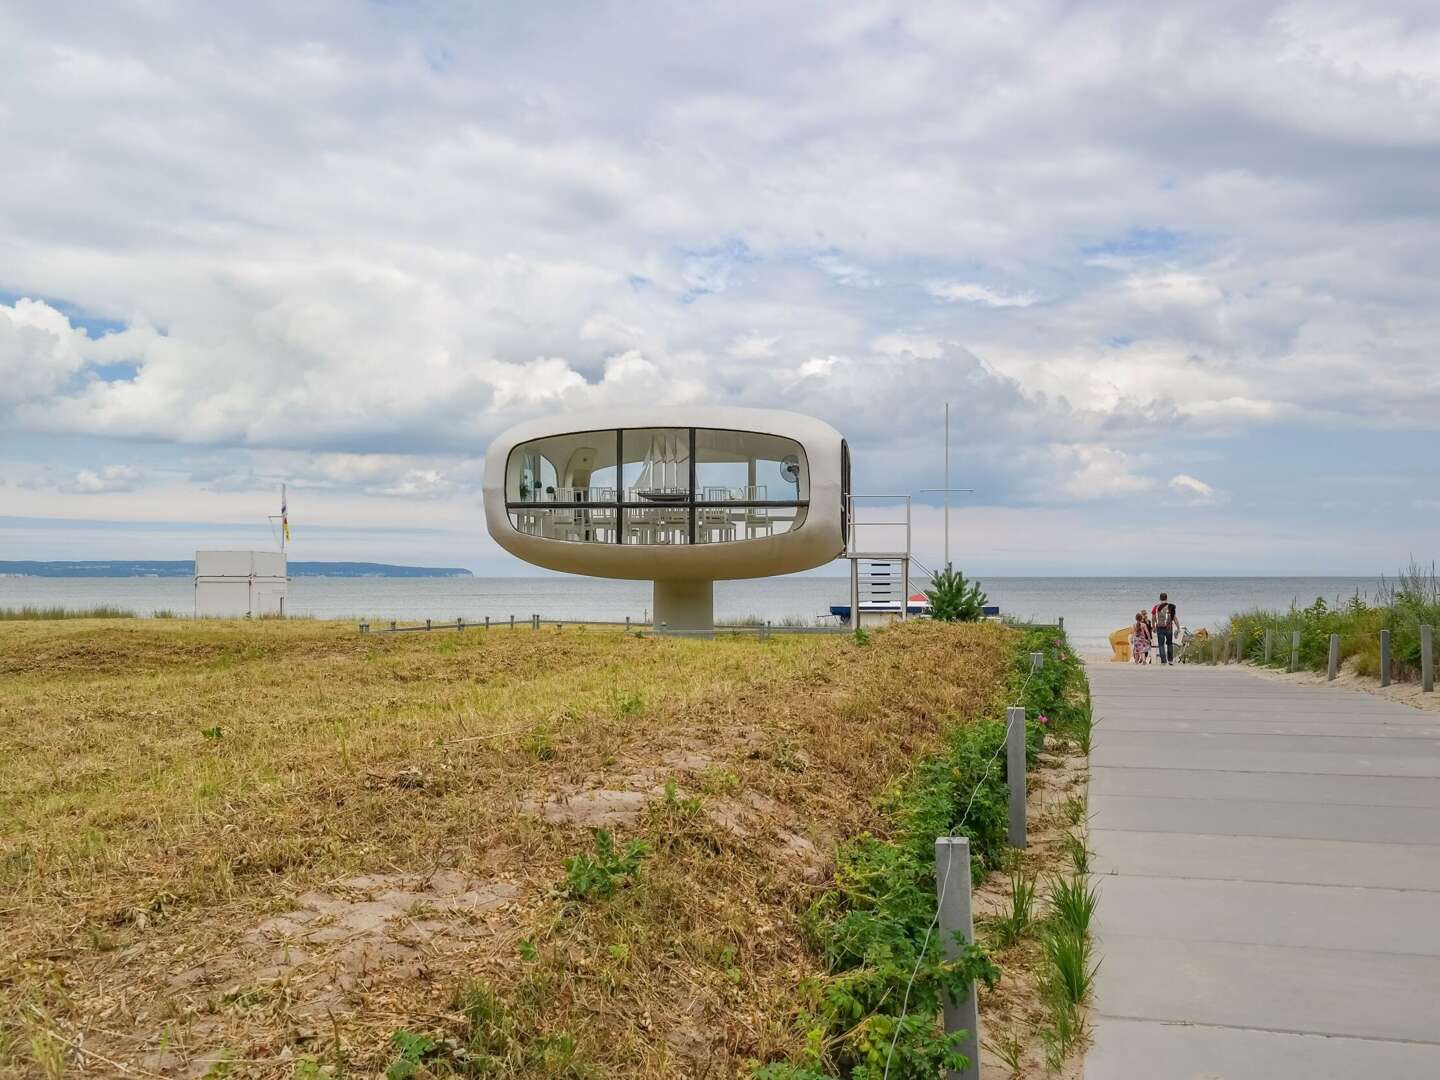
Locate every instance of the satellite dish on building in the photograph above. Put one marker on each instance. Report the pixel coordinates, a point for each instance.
(790, 468)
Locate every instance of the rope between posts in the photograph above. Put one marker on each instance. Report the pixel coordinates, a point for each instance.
(940, 898)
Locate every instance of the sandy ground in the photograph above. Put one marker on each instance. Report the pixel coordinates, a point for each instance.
(1407, 693)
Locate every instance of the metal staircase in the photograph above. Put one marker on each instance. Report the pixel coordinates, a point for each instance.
(879, 559)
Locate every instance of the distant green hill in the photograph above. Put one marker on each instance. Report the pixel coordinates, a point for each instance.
(186, 568)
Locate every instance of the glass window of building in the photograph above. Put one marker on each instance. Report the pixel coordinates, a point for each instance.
(658, 486)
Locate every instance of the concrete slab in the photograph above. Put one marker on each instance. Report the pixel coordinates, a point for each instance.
(1266, 786)
(1161, 754)
(1259, 744)
(1250, 817)
(1306, 991)
(1268, 858)
(1344, 918)
(1262, 858)
(1222, 723)
(1123, 1049)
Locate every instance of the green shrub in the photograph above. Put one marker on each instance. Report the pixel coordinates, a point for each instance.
(598, 876)
(874, 1010)
(953, 599)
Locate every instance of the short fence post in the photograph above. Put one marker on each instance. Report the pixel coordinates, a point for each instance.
(1015, 773)
(487, 622)
(512, 622)
(1334, 656)
(1269, 643)
(534, 622)
(427, 624)
(459, 623)
(392, 624)
(1384, 657)
(1061, 622)
(952, 887)
(1239, 646)
(1427, 657)
(627, 624)
(1294, 650)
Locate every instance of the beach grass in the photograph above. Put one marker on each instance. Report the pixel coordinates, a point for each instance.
(278, 844)
(1401, 606)
(33, 613)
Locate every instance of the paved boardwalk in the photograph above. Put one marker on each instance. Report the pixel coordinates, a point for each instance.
(1269, 861)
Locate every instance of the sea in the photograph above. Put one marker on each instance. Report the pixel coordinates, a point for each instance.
(1092, 607)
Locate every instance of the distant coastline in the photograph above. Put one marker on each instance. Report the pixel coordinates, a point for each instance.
(180, 568)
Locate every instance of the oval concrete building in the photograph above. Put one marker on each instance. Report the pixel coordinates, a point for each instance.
(681, 495)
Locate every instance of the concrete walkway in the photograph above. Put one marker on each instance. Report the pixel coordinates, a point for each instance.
(1268, 860)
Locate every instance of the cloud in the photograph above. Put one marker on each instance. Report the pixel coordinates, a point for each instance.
(108, 478)
(969, 293)
(325, 234)
(1196, 492)
(1083, 473)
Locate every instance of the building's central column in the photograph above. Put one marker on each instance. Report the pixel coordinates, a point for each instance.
(685, 606)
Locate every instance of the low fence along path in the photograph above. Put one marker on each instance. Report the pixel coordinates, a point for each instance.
(1268, 861)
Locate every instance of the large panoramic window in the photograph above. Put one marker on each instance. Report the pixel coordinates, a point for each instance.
(654, 486)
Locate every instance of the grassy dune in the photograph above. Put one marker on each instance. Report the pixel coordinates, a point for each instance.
(285, 849)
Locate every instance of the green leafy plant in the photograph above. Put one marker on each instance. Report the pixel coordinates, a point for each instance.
(1012, 924)
(1074, 846)
(1073, 903)
(598, 876)
(861, 636)
(1067, 954)
(411, 1049)
(953, 599)
(1009, 1047)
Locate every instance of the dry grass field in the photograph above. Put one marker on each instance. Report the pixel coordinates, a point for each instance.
(262, 849)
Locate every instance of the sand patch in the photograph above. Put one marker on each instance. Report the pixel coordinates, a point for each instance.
(1407, 693)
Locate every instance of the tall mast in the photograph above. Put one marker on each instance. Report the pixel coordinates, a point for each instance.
(947, 485)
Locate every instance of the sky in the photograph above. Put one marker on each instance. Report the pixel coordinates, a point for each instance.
(1173, 266)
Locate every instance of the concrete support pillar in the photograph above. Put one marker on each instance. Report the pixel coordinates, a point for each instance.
(952, 886)
(1384, 657)
(1427, 658)
(685, 607)
(1015, 774)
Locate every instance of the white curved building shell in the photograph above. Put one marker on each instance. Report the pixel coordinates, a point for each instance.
(682, 495)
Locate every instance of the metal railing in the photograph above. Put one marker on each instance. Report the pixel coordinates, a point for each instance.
(535, 622)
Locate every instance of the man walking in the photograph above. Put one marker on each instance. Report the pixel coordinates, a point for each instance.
(1162, 616)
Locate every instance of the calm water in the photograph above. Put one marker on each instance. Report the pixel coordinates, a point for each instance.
(1092, 607)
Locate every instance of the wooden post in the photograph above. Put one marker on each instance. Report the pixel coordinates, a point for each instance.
(1334, 657)
(1384, 657)
(1294, 650)
(427, 624)
(952, 887)
(1269, 642)
(487, 622)
(459, 623)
